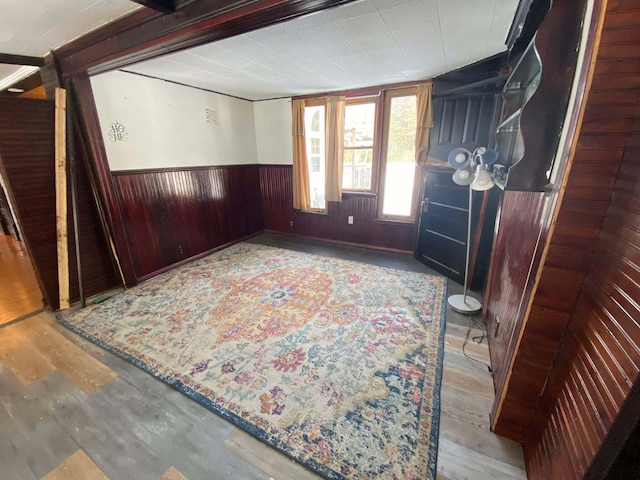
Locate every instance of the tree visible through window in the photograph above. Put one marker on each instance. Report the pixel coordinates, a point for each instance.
(399, 160)
(359, 128)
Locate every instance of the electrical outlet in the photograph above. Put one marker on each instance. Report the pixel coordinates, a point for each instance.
(291, 223)
(350, 219)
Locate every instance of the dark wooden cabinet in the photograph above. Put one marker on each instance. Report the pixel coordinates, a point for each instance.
(536, 96)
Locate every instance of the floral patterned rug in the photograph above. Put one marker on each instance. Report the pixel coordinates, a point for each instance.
(335, 363)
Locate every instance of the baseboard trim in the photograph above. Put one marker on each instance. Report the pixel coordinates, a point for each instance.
(155, 273)
(341, 242)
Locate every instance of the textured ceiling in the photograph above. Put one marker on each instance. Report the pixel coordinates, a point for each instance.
(34, 27)
(370, 42)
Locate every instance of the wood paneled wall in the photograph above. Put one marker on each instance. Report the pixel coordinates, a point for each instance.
(591, 280)
(27, 156)
(599, 358)
(172, 215)
(279, 216)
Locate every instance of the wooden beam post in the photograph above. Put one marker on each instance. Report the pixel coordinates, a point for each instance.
(61, 196)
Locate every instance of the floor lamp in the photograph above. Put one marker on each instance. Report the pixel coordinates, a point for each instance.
(471, 169)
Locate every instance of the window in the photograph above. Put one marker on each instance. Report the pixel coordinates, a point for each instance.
(398, 167)
(379, 150)
(314, 135)
(314, 152)
(359, 133)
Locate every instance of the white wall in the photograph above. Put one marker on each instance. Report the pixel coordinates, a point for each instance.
(167, 126)
(273, 131)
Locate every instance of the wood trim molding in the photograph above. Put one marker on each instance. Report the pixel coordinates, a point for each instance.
(88, 116)
(364, 91)
(21, 60)
(146, 34)
(341, 242)
(143, 171)
(196, 257)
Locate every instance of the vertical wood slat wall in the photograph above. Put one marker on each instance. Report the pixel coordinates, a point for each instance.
(279, 216)
(172, 215)
(598, 233)
(27, 155)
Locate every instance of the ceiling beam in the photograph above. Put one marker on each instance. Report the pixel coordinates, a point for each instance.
(146, 34)
(162, 6)
(21, 60)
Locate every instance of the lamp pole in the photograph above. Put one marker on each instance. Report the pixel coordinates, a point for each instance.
(464, 304)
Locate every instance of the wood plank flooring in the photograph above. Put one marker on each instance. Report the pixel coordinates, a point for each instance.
(70, 408)
(19, 290)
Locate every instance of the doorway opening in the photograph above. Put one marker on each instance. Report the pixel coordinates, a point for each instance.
(20, 293)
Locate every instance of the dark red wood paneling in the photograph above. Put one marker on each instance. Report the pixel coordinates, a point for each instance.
(576, 430)
(175, 214)
(27, 155)
(276, 183)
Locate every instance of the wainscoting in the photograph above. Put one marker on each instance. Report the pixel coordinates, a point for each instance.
(172, 215)
(279, 216)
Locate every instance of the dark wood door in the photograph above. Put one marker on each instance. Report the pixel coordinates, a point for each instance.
(460, 121)
(442, 240)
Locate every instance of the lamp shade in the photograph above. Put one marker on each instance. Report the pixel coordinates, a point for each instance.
(490, 157)
(459, 158)
(464, 176)
(483, 180)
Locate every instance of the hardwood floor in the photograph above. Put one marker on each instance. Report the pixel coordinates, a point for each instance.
(19, 290)
(69, 409)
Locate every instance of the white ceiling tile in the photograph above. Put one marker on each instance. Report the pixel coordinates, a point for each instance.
(360, 26)
(234, 42)
(370, 42)
(476, 16)
(381, 4)
(414, 13)
(205, 50)
(70, 18)
(227, 58)
(354, 9)
(303, 23)
(254, 51)
(261, 34)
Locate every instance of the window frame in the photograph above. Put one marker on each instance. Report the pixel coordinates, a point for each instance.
(375, 147)
(318, 102)
(386, 110)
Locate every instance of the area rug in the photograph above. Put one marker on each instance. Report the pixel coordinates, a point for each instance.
(335, 363)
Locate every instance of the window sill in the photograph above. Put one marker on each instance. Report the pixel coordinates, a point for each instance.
(355, 193)
(399, 223)
(312, 212)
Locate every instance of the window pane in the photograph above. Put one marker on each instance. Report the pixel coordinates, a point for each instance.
(356, 169)
(400, 166)
(314, 134)
(359, 124)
